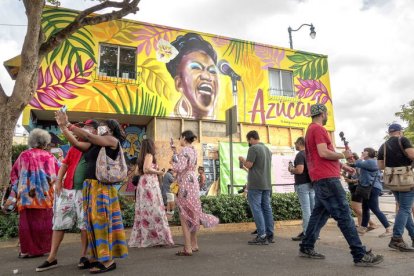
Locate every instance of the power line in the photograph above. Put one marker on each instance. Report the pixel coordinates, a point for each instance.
(12, 25)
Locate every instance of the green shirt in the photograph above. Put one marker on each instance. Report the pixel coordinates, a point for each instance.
(80, 174)
(259, 177)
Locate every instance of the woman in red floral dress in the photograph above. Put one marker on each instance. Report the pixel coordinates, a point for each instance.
(188, 200)
(150, 225)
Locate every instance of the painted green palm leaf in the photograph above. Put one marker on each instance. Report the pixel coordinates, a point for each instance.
(138, 102)
(308, 66)
(53, 21)
(239, 49)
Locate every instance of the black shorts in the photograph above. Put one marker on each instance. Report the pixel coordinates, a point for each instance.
(354, 197)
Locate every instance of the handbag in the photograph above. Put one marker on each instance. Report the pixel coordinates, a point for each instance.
(398, 179)
(365, 191)
(110, 171)
(174, 188)
(4, 200)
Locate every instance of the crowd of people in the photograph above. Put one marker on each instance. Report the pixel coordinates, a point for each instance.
(52, 197)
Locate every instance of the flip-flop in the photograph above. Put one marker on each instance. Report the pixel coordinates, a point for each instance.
(84, 263)
(102, 268)
(370, 228)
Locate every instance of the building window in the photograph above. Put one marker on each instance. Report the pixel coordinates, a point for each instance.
(280, 83)
(117, 61)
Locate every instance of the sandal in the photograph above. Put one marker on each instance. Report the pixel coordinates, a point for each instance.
(195, 249)
(184, 253)
(23, 255)
(370, 228)
(102, 268)
(84, 263)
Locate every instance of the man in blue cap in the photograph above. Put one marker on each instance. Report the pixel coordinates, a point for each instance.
(399, 153)
(330, 198)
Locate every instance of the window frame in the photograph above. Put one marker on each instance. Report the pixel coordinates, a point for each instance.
(282, 92)
(118, 59)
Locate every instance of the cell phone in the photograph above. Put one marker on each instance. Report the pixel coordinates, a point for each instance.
(64, 108)
(241, 165)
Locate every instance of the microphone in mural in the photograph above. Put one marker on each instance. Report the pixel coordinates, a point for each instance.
(194, 70)
(225, 69)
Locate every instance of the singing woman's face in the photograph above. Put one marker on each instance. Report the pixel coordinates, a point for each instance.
(197, 79)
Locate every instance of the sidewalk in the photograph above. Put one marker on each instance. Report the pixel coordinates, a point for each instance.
(224, 251)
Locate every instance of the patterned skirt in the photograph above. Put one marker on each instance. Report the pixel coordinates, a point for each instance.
(106, 235)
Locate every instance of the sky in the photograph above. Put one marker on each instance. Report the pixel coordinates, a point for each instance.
(369, 44)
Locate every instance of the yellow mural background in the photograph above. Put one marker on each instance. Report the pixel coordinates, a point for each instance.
(155, 82)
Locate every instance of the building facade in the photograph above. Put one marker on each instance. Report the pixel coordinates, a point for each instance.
(158, 81)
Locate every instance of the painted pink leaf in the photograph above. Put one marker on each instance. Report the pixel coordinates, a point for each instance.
(62, 92)
(48, 77)
(52, 93)
(40, 78)
(325, 100)
(309, 92)
(69, 86)
(57, 72)
(68, 71)
(148, 49)
(89, 64)
(76, 69)
(316, 96)
(303, 82)
(80, 80)
(35, 103)
(87, 74)
(47, 100)
(318, 84)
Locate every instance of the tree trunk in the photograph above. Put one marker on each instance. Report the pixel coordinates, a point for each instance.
(7, 125)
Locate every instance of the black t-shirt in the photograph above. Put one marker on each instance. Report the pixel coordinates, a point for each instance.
(92, 154)
(394, 157)
(303, 178)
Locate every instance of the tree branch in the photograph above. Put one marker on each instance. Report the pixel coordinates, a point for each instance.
(3, 96)
(82, 20)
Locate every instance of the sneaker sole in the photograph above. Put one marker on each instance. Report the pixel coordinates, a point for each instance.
(258, 243)
(362, 264)
(303, 255)
(46, 268)
(401, 249)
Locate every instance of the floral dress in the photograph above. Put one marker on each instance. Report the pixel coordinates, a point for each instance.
(150, 225)
(188, 199)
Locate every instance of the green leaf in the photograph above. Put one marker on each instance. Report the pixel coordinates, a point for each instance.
(136, 101)
(84, 44)
(122, 101)
(112, 103)
(306, 73)
(88, 37)
(131, 103)
(319, 67)
(313, 72)
(79, 63)
(55, 53)
(297, 58)
(65, 50)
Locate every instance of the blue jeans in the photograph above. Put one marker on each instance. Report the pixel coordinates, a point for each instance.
(330, 200)
(306, 195)
(403, 218)
(373, 205)
(259, 201)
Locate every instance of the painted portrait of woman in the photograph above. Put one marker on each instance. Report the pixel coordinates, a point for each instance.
(195, 76)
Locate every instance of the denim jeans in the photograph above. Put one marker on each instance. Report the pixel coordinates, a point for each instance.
(306, 195)
(330, 200)
(373, 205)
(259, 201)
(403, 218)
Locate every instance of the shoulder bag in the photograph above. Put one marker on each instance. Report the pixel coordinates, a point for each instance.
(111, 171)
(365, 191)
(398, 179)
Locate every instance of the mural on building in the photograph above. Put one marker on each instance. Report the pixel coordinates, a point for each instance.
(125, 67)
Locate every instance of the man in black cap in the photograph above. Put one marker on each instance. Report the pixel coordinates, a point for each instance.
(330, 197)
(399, 153)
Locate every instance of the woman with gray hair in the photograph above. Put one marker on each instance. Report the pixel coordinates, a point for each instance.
(32, 178)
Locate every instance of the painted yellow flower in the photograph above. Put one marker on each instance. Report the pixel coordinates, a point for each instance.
(165, 51)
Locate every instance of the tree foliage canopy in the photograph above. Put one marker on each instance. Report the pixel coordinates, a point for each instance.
(407, 115)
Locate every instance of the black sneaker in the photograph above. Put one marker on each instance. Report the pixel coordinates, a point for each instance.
(399, 244)
(259, 241)
(254, 232)
(310, 253)
(370, 259)
(270, 238)
(298, 237)
(46, 265)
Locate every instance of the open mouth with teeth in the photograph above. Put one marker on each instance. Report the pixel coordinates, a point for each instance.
(205, 93)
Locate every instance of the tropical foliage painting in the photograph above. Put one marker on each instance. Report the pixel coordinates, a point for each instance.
(154, 70)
